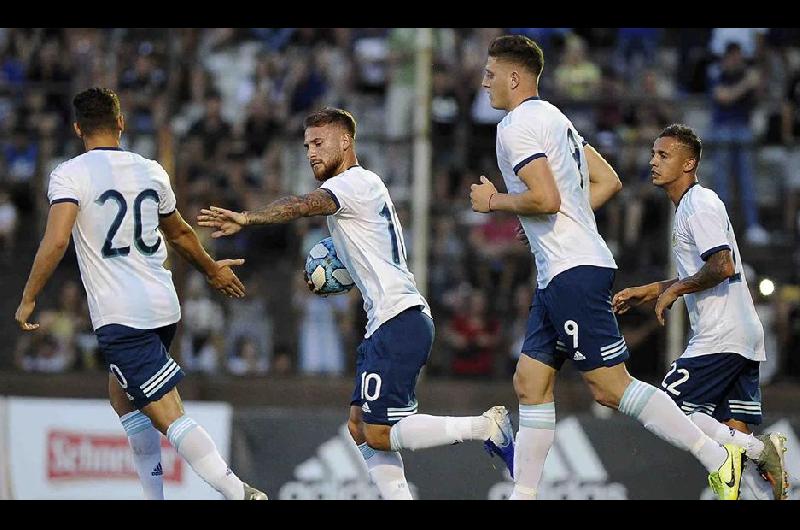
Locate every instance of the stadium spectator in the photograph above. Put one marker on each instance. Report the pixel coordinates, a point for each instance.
(734, 94)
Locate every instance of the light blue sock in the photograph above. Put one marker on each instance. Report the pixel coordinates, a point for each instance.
(387, 472)
(145, 442)
(537, 424)
(660, 415)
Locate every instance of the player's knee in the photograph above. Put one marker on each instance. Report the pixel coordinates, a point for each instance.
(606, 398)
(528, 392)
(378, 439)
(520, 386)
(120, 405)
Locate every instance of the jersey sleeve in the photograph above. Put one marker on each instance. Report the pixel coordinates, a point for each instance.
(708, 227)
(63, 187)
(166, 196)
(343, 192)
(521, 145)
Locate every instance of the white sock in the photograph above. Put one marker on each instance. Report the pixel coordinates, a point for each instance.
(722, 434)
(386, 471)
(661, 416)
(420, 431)
(537, 430)
(145, 443)
(198, 449)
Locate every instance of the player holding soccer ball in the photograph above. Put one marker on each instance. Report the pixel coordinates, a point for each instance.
(369, 241)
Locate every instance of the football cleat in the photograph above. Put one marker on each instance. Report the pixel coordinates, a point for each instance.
(725, 482)
(252, 494)
(771, 463)
(501, 436)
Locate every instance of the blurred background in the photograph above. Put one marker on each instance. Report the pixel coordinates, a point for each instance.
(222, 108)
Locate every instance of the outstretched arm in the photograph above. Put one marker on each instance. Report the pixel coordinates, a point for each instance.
(283, 210)
(60, 221)
(717, 269)
(636, 296)
(604, 180)
(183, 239)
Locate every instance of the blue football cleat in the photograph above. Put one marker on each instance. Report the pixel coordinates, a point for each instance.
(501, 437)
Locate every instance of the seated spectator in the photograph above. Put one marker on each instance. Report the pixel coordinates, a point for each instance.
(577, 77)
(203, 321)
(8, 225)
(246, 358)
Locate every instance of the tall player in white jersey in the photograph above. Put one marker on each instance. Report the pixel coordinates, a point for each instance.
(114, 203)
(716, 378)
(555, 180)
(369, 241)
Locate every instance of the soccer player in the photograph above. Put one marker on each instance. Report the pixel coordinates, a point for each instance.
(555, 180)
(369, 241)
(716, 377)
(114, 203)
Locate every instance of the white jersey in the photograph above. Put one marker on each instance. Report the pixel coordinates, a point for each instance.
(569, 238)
(120, 196)
(369, 241)
(723, 318)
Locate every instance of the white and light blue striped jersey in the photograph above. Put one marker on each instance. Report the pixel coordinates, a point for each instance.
(568, 238)
(723, 318)
(120, 196)
(369, 241)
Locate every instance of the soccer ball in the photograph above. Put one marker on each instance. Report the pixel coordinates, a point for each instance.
(325, 271)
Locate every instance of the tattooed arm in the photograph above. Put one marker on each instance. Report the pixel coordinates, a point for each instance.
(283, 210)
(318, 202)
(636, 296)
(718, 268)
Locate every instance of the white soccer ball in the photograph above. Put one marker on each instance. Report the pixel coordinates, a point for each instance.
(325, 271)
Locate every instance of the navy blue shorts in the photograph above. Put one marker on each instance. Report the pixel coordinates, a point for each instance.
(139, 359)
(722, 385)
(388, 366)
(571, 318)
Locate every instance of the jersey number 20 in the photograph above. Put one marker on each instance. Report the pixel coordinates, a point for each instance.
(108, 250)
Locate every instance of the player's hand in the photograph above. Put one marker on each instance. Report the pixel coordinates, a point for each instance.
(225, 281)
(630, 297)
(481, 194)
(24, 312)
(522, 237)
(225, 221)
(663, 303)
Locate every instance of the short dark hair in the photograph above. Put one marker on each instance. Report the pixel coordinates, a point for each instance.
(330, 115)
(97, 109)
(686, 136)
(519, 50)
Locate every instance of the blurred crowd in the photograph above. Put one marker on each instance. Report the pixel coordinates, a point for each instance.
(222, 109)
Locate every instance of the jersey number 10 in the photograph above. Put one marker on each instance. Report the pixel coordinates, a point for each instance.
(393, 234)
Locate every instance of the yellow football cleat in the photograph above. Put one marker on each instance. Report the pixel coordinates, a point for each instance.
(726, 480)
